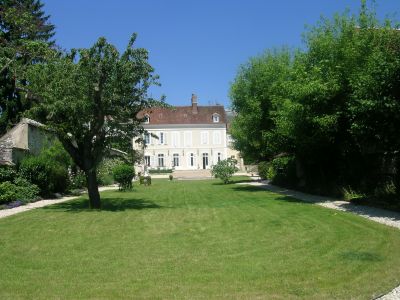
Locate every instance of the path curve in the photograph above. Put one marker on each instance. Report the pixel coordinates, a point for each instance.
(379, 215)
(16, 210)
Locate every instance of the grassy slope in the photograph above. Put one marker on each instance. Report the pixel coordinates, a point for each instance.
(195, 239)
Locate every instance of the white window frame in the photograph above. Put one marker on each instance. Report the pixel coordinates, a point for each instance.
(161, 138)
(215, 118)
(204, 138)
(147, 160)
(146, 119)
(175, 156)
(161, 158)
(188, 138)
(217, 138)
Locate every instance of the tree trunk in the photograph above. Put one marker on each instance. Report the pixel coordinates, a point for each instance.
(93, 190)
(397, 174)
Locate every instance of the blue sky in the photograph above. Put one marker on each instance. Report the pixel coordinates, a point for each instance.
(196, 46)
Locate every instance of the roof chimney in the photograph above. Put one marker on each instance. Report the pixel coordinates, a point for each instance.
(194, 104)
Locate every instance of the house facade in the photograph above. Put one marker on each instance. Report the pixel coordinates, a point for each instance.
(185, 137)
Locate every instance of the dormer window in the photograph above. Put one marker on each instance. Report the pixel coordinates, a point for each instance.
(146, 119)
(215, 118)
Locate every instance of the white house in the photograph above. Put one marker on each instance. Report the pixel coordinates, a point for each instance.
(188, 137)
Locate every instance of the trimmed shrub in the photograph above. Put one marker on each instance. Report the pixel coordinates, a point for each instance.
(160, 171)
(146, 180)
(123, 175)
(7, 174)
(170, 177)
(224, 169)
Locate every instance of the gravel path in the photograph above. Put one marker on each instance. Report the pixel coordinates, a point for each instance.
(382, 216)
(12, 211)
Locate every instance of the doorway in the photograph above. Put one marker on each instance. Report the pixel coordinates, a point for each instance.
(205, 160)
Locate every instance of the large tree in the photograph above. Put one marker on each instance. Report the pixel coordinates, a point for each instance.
(25, 38)
(90, 99)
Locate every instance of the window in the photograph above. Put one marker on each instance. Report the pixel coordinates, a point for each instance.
(219, 157)
(162, 138)
(176, 160)
(216, 137)
(215, 118)
(161, 160)
(175, 139)
(146, 138)
(188, 138)
(147, 160)
(191, 163)
(204, 137)
(146, 119)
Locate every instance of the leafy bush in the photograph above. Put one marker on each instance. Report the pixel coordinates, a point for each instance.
(224, 169)
(263, 168)
(282, 170)
(123, 175)
(26, 191)
(146, 180)
(170, 177)
(7, 173)
(106, 169)
(77, 180)
(49, 176)
(8, 192)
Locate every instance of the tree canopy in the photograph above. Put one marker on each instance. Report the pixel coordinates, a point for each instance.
(334, 107)
(90, 98)
(25, 38)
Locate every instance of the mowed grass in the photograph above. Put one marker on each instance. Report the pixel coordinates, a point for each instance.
(195, 240)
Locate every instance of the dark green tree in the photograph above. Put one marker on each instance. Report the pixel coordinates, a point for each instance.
(25, 38)
(90, 98)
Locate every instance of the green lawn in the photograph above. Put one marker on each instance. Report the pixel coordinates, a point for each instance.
(195, 240)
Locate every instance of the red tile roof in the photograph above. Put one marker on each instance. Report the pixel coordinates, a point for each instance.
(184, 115)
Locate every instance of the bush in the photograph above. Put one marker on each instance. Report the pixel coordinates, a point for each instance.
(146, 180)
(49, 176)
(7, 174)
(106, 169)
(160, 171)
(263, 168)
(123, 175)
(77, 180)
(224, 169)
(8, 192)
(170, 177)
(26, 191)
(282, 171)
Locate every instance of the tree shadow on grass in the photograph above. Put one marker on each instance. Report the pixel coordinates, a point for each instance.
(233, 181)
(257, 189)
(107, 204)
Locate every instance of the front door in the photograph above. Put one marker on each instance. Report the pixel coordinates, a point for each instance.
(205, 160)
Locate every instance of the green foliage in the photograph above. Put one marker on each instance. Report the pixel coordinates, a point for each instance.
(282, 171)
(263, 168)
(8, 192)
(26, 191)
(89, 97)
(49, 176)
(7, 173)
(123, 175)
(224, 169)
(171, 177)
(77, 180)
(25, 39)
(105, 170)
(335, 107)
(145, 180)
(160, 171)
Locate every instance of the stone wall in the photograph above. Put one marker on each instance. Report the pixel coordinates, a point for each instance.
(6, 149)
